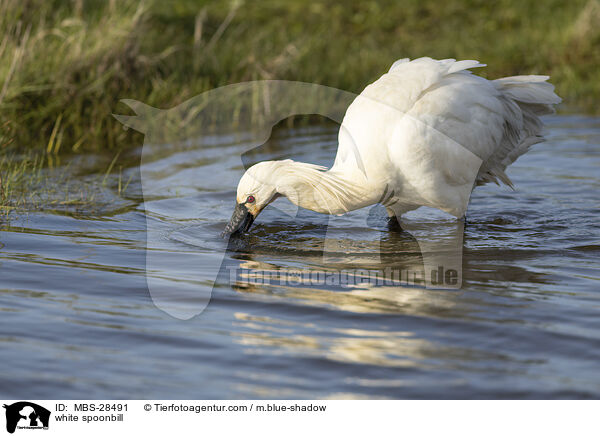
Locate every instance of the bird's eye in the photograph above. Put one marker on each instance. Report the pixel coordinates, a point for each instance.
(250, 199)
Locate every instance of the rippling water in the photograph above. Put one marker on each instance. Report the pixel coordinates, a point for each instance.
(78, 319)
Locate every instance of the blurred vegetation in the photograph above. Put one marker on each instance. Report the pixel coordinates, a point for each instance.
(64, 65)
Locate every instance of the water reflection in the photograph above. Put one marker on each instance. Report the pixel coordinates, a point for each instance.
(77, 313)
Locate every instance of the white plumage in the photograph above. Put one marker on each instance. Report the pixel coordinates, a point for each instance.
(424, 134)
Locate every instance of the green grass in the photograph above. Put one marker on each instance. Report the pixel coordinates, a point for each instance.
(64, 65)
(17, 176)
(32, 181)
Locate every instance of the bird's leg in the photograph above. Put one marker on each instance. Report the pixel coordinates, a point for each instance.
(394, 212)
(393, 224)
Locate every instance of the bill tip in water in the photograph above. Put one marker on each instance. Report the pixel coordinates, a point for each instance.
(240, 222)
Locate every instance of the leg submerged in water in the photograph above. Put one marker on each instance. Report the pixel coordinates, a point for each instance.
(393, 224)
(395, 210)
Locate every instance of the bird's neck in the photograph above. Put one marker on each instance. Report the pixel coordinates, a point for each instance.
(330, 192)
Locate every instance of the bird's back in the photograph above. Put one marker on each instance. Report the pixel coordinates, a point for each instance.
(431, 130)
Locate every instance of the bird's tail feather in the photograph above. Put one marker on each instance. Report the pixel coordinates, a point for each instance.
(525, 99)
(532, 92)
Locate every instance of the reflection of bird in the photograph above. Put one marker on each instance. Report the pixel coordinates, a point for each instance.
(424, 134)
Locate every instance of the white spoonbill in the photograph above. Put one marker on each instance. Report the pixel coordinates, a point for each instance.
(424, 134)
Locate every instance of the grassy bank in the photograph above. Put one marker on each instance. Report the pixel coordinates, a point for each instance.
(65, 64)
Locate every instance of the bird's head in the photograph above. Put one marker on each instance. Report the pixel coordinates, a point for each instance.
(256, 189)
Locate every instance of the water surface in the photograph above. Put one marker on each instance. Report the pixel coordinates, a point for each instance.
(78, 320)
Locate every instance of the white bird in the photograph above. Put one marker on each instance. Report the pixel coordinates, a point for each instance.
(424, 134)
